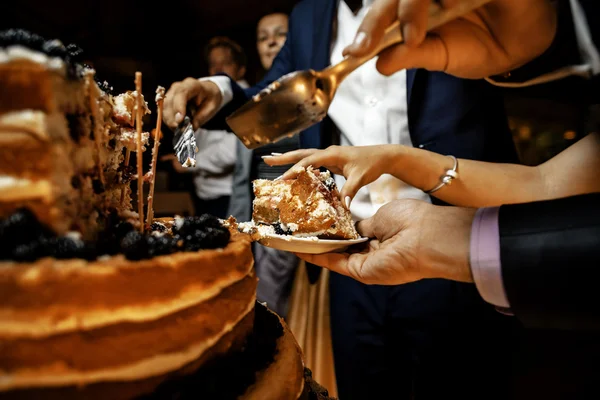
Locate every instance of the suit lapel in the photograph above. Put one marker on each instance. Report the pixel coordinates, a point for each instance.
(410, 80)
(323, 20)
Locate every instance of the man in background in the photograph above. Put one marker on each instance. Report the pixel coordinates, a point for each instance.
(216, 157)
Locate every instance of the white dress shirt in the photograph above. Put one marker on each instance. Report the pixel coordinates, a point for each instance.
(369, 109)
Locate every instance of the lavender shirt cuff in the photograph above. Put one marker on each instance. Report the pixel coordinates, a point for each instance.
(485, 257)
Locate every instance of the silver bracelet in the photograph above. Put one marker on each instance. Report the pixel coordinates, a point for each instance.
(447, 178)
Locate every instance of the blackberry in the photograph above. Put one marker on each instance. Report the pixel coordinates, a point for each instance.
(54, 48)
(107, 243)
(193, 223)
(74, 52)
(160, 245)
(122, 229)
(90, 251)
(158, 227)
(64, 248)
(135, 246)
(21, 37)
(22, 227)
(28, 252)
(279, 230)
(210, 238)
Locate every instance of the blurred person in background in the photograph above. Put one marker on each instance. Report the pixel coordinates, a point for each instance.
(216, 157)
(275, 269)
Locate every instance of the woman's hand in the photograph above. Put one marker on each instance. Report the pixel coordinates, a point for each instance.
(494, 39)
(360, 165)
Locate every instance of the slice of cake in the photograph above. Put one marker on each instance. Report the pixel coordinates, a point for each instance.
(307, 206)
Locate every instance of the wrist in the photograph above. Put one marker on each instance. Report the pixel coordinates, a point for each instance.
(219, 87)
(393, 161)
(448, 237)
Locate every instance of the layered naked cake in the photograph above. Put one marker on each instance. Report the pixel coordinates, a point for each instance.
(307, 206)
(94, 302)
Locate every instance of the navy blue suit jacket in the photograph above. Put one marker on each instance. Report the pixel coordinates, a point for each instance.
(447, 115)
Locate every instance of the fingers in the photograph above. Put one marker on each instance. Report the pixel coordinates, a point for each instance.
(413, 16)
(432, 55)
(371, 30)
(290, 157)
(336, 262)
(350, 188)
(168, 157)
(205, 93)
(206, 109)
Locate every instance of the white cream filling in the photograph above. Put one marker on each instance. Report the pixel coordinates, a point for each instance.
(157, 365)
(18, 52)
(12, 189)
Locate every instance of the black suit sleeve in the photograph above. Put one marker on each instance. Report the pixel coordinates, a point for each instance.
(550, 257)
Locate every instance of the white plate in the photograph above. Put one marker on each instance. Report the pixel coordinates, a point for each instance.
(307, 245)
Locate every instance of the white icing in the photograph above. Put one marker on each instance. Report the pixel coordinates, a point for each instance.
(18, 52)
(12, 188)
(160, 94)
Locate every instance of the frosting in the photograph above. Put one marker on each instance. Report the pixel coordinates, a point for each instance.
(12, 189)
(18, 52)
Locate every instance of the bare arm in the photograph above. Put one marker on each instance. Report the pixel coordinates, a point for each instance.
(480, 184)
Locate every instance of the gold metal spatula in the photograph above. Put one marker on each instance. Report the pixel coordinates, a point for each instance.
(300, 99)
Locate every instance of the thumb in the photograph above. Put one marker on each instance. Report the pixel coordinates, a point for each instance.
(431, 55)
(381, 15)
(366, 228)
(207, 107)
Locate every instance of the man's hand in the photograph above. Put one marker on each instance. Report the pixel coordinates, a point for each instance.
(412, 240)
(360, 165)
(204, 96)
(494, 39)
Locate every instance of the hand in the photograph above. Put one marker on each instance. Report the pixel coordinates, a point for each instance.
(204, 95)
(413, 240)
(360, 165)
(498, 37)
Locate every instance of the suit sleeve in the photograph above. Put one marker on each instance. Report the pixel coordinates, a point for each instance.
(550, 257)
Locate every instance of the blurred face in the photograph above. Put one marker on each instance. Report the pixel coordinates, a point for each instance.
(220, 60)
(271, 33)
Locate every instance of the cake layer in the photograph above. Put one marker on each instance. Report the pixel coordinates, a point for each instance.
(231, 342)
(53, 296)
(22, 155)
(126, 351)
(28, 84)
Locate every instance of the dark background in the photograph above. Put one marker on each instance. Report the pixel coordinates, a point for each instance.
(165, 42)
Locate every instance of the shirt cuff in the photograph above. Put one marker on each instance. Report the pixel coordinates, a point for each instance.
(485, 257)
(224, 85)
